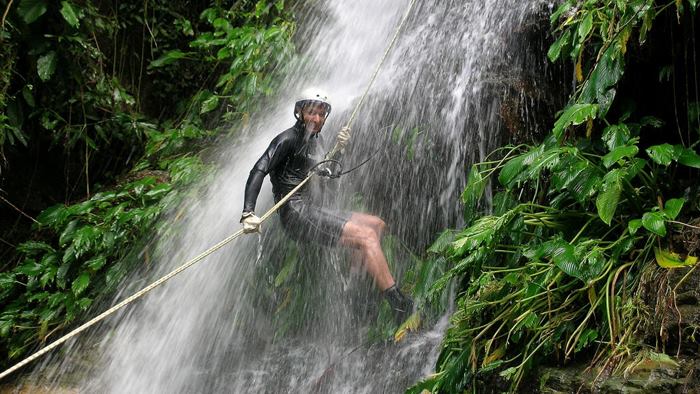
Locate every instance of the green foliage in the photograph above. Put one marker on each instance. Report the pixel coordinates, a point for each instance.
(62, 275)
(542, 275)
(126, 92)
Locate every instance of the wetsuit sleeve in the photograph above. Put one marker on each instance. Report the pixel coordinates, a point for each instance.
(273, 156)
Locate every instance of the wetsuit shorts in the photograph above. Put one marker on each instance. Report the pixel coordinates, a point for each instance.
(308, 223)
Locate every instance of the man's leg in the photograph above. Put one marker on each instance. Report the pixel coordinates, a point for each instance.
(363, 235)
(373, 222)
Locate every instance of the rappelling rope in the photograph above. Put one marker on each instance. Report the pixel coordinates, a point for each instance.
(374, 75)
(214, 248)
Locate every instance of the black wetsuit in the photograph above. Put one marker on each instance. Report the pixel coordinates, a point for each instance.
(288, 160)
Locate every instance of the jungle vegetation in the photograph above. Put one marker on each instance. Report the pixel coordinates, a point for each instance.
(585, 225)
(105, 108)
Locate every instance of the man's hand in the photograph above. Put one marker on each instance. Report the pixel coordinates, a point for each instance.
(251, 223)
(343, 138)
(328, 169)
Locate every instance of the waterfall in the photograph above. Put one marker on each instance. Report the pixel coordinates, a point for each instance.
(436, 107)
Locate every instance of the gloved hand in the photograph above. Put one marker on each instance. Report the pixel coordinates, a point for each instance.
(328, 169)
(251, 223)
(343, 138)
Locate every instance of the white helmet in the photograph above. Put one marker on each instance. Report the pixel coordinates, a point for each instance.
(309, 96)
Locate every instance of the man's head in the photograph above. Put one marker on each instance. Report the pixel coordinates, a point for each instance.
(312, 109)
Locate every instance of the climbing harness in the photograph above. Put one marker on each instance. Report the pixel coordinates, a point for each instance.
(216, 247)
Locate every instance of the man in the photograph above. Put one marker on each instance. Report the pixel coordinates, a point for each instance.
(288, 160)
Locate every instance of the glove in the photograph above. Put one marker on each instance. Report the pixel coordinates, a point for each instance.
(251, 223)
(343, 138)
(328, 169)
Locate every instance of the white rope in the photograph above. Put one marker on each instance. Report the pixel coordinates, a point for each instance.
(207, 252)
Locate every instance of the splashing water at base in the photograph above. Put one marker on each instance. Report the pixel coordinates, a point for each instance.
(209, 330)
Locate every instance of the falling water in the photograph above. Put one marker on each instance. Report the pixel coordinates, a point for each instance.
(436, 107)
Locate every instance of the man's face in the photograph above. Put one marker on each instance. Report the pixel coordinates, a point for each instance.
(314, 116)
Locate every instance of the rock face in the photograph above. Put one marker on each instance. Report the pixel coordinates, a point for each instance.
(668, 362)
(649, 378)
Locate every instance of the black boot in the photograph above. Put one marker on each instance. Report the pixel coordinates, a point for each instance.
(401, 305)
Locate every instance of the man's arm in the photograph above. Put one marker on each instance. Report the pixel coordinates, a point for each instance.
(268, 161)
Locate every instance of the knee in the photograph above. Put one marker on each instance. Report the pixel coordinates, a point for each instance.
(378, 225)
(369, 237)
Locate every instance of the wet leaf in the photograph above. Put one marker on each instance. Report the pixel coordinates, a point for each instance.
(511, 170)
(68, 233)
(30, 268)
(69, 14)
(654, 222)
(555, 49)
(618, 154)
(31, 10)
(410, 324)
(476, 184)
(634, 225)
(574, 115)
(663, 154)
(34, 247)
(96, 263)
(585, 27)
(443, 242)
(598, 88)
(46, 65)
(689, 158)
(168, 57)
(668, 259)
(80, 283)
(673, 207)
(209, 104)
(562, 9)
(607, 199)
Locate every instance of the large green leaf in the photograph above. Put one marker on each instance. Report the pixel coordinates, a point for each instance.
(616, 135)
(562, 254)
(634, 225)
(169, 57)
(689, 158)
(607, 200)
(654, 222)
(96, 263)
(34, 247)
(512, 168)
(563, 8)
(68, 233)
(598, 88)
(476, 184)
(209, 104)
(80, 283)
(31, 10)
(555, 49)
(584, 28)
(619, 153)
(30, 268)
(69, 14)
(673, 207)
(46, 65)
(574, 115)
(586, 184)
(663, 154)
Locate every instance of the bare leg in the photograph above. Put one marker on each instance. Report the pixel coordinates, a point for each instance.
(358, 235)
(376, 224)
(373, 222)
